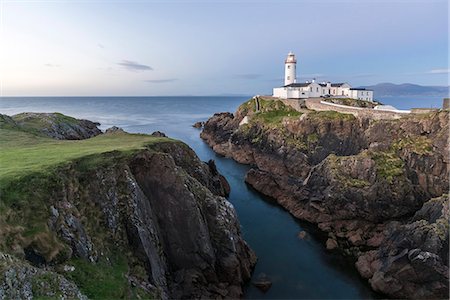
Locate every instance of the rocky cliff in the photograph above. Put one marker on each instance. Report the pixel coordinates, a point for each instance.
(372, 185)
(54, 125)
(150, 222)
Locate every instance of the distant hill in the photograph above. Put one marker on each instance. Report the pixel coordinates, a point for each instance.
(405, 89)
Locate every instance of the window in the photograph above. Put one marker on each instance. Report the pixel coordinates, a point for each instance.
(289, 77)
(334, 91)
(289, 66)
(342, 93)
(317, 89)
(310, 88)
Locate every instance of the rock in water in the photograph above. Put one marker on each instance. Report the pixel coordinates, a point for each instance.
(331, 244)
(302, 235)
(262, 282)
(198, 124)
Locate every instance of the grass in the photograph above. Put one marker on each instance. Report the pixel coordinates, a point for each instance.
(272, 112)
(331, 115)
(23, 153)
(37, 122)
(29, 175)
(389, 165)
(101, 280)
(32, 174)
(420, 145)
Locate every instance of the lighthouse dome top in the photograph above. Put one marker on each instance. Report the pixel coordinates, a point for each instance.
(290, 58)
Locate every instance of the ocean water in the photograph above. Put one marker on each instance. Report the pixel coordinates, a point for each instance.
(299, 269)
(412, 101)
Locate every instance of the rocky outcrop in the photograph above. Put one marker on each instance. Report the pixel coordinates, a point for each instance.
(20, 280)
(360, 180)
(113, 130)
(56, 125)
(198, 124)
(413, 259)
(148, 223)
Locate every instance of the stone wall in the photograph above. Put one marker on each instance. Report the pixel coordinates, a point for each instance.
(446, 103)
(423, 110)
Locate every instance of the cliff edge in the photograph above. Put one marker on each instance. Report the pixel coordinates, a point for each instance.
(378, 188)
(115, 215)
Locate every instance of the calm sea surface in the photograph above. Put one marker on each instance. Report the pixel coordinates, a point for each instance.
(298, 268)
(408, 102)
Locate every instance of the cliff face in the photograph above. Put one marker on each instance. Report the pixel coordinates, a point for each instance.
(362, 181)
(144, 223)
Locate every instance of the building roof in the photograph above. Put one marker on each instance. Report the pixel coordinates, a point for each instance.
(300, 84)
(305, 84)
(360, 89)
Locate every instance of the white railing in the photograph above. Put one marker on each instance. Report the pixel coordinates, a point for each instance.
(362, 108)
(340, 105)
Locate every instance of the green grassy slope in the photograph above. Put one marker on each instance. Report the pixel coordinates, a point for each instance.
(22, 153)
(30, 169)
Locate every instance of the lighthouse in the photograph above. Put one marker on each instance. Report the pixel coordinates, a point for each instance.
(290, 65)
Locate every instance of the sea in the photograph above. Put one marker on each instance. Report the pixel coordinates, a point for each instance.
(298, 268)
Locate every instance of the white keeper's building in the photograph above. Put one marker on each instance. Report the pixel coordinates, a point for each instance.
(310, 89)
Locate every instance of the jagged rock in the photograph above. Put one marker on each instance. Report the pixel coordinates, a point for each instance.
(19, 280)
(198, 124)
(331, 244)
(114, 129)
(159, 134)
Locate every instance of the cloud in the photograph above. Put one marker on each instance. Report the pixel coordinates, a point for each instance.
(161, 80)
(52, 65)
(101, 46)
(134, 66)
(438, 71)
(247, 76)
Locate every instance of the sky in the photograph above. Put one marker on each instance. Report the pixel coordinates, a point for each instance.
(152, 48)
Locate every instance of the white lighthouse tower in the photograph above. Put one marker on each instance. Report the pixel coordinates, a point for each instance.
(290, 65)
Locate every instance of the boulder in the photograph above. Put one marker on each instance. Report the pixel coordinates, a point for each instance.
(158, 134)
(198, 125)
(262, 282)
(114, 129)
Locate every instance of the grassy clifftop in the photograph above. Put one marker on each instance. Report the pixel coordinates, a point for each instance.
(23, 152)
(32, 169)
(99, 216)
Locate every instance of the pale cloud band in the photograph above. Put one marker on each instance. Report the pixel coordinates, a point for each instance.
(161, 80)
(439, 71)
(134, 66)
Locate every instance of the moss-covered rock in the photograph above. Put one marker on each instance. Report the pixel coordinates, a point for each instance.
(56, 125)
